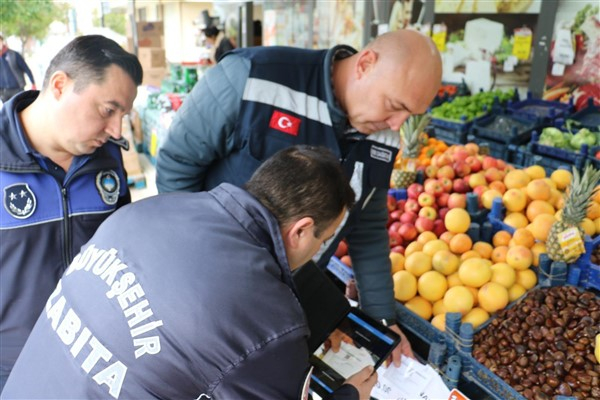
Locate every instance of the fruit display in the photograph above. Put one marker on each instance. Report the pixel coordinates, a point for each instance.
(546, 345)
(572, 141)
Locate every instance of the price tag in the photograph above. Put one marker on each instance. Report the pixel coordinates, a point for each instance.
(522, 43)
(564, 51)
(439, 36)
(558, 69)
(570, 243)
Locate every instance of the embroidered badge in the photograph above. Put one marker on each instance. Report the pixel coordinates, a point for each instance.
(381, 154)
(19, 200)
(108, 185)
(285, 123)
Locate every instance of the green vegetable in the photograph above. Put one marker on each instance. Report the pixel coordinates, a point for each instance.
(584, 136)
(554, 137)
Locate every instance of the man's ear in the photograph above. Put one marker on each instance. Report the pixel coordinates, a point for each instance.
(298, 231)
(365, 63)
(58, 83)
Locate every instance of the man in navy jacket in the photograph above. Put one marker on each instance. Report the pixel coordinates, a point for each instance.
(59, 175)
(258, 100)
(190, 295)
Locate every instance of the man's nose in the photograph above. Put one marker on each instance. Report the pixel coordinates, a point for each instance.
(114, 127)
(396, 121)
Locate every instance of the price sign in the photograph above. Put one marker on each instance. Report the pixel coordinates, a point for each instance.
(439, 36)
(522, 43)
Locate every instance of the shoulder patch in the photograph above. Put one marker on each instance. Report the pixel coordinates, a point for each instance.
(19, 200)
(108, 185)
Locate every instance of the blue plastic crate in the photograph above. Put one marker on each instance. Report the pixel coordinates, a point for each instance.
(569, 156)
(504, 128)
(588, 117)
(583, 272)
(543, 111)
(551, 164)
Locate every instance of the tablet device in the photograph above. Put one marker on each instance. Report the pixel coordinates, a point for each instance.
(364, 341)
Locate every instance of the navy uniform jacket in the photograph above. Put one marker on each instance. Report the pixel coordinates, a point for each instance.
(259, 100)
(178, 296)
(44, 222)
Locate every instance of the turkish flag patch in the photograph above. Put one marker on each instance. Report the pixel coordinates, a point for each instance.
(285, 123)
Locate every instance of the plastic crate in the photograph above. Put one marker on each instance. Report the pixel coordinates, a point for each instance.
(588, 117)
(511, 153)
(583, 273)
(504, 128)
(543, 111)
(550, 163)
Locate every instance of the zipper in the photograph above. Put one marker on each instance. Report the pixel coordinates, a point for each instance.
(67, 227)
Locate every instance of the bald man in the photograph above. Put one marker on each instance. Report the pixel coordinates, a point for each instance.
(258, 100)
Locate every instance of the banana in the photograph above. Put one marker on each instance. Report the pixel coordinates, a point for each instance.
(597, 352)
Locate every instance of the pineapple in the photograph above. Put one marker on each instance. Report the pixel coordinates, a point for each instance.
(577, 201)
(410, 146)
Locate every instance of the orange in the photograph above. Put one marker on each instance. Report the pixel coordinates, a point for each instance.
(438, 307)
(474, 272)
(537, 249)
(453, 280)
(412, 247)
(433, 246)
(516, 220)
(488, 197)
(458, 299)
(492, 297)
(540, 226)
(501, 238)
(432, 286)
(405, 285)
(538, 189)
(457, 220)
(446, 236)
(588, 226)
(562, 178)
(498, 186)
(593, 210)
(523, 237)
(476, 317)
(425, 237)
(439, 321)
(535, 172)
(526, 278)
(397, 261)
(503, 274)
(514, 199)
(460, 243)
(499, 254)
(418, 263)
(515, 291)
(519, 257)
(537, 207)
(445, 261)
(484, 249)
(516, 179)
(420, 306)
(469, 254)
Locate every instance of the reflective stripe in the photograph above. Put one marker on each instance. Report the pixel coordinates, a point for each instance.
(275, 94)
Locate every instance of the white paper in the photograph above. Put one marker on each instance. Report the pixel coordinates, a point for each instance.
(412, 380)
(348, 360)
(558, 69)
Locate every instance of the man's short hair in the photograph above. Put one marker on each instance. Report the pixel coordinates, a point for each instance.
(211, 31)
(303, 181)
(86, 58)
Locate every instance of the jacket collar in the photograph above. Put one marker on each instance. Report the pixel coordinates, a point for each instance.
(339, 118)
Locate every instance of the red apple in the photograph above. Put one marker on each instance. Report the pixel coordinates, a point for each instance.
(408, 232)
(442, 212)
(408, 217)
(460, 154)
(423, 224)
(438, 227)
(477, 179)
(400, 204)
(474, 163)
(397, 249)
(394, 226)
(501, 164)
(396, 214)
(444, 159)
(492, 174)
(461, 168)
(391, 202)
(426, 199)
(413, 190)
(457, 200)
(342, 249)
(446, 172)
(442, 200)
(489, 162)
(428, 212)
(460, 186)
(395, 239)
(446, 184)
(412, 205)
(433, 187)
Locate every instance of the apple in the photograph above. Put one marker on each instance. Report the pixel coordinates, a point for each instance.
(391, 202)
(446, 172)
(479, 190)
(408, 217)
(400, 204)
(431, 171)
(412, 205)
(460, 186)
(443, 159)
(460, 154)
(501, 164)
(446, 184)
(423, 224)
(408, 232)
(428, 212)
(472, 148)
(439, 227)
(457, 200)
(426, 199)
(342, 249)
(474, 163)
(395, 239)
(442, 212)
(442, 200)
(489, 162)
(433, 187)
(461, 168)
(492, 174)
(394, 226)
(396, 214)
(413, 190)
(477, 179)
(398, 249)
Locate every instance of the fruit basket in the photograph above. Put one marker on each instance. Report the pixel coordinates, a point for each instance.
(584, 272)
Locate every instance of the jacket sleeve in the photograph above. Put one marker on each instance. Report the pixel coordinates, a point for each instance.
(368, 246)
(202, 130)
(276, 371)
(344, 392)
(24, 67)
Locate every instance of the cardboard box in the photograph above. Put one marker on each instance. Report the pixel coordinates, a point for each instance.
(154, 76)
(151, 41)
(152, 57)
(150, 28)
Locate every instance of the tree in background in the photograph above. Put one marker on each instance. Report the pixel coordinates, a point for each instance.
(115, 20)
(30, 19)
